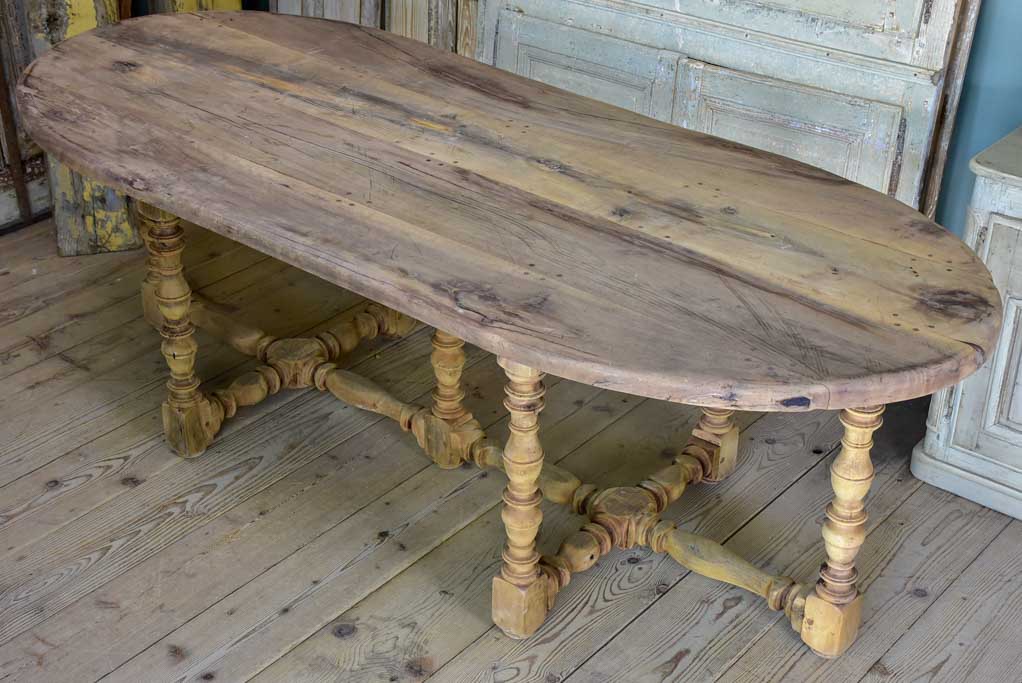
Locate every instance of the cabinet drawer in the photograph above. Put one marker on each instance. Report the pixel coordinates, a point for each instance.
(853, 137)
(631, 76)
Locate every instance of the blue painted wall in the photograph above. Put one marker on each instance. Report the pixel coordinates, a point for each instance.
(991, 105)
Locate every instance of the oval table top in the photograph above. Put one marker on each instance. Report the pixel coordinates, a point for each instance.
(563, 233)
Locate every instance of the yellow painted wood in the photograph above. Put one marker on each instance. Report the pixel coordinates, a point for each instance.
(90, 217)
(81, 17)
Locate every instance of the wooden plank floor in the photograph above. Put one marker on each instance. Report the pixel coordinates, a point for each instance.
(315, 542)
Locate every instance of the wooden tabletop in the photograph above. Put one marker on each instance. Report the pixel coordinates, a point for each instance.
(582, 239)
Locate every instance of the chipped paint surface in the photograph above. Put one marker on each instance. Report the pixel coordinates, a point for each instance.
(85, 15)
(81, 17)
(91, 218)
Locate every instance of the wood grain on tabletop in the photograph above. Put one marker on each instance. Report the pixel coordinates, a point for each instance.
(564, 233)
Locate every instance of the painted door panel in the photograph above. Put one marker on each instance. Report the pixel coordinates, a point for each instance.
(875, 15)
(907, 31)
(850, 136)
(632, 76)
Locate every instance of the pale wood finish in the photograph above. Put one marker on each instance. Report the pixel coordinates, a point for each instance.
(468, 26)
(286, 577)
(959, 636)
(448, 360)
(459, 437)
(812, 292)
(715, 561)
(519, 590)
(919, 540)
(845, 529)
(190, 420)
(435, 22)
(833, 614)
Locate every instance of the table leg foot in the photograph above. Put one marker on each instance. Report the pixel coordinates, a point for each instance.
(520, 595)
(830, 629)
(519, 611)
(192, 419)
(190, 428)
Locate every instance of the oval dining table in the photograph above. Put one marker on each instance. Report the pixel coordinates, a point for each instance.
(561, 234)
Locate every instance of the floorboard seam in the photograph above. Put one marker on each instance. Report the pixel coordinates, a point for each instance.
(117, 302)
(439, 545)
(965, 569)
(426, 465)
(205, 386)
(643, 611)
(686, 573)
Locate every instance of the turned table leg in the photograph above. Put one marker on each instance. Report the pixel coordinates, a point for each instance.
(448, 360)
(833, 612)
(520, 600)
(189, 419)
(448, 433)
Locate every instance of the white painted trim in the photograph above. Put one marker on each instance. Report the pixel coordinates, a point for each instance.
(961, 482)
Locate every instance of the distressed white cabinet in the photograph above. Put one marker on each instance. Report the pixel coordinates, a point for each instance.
(852, 86)
(973, 443)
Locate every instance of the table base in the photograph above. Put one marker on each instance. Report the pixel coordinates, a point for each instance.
(826, 614)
